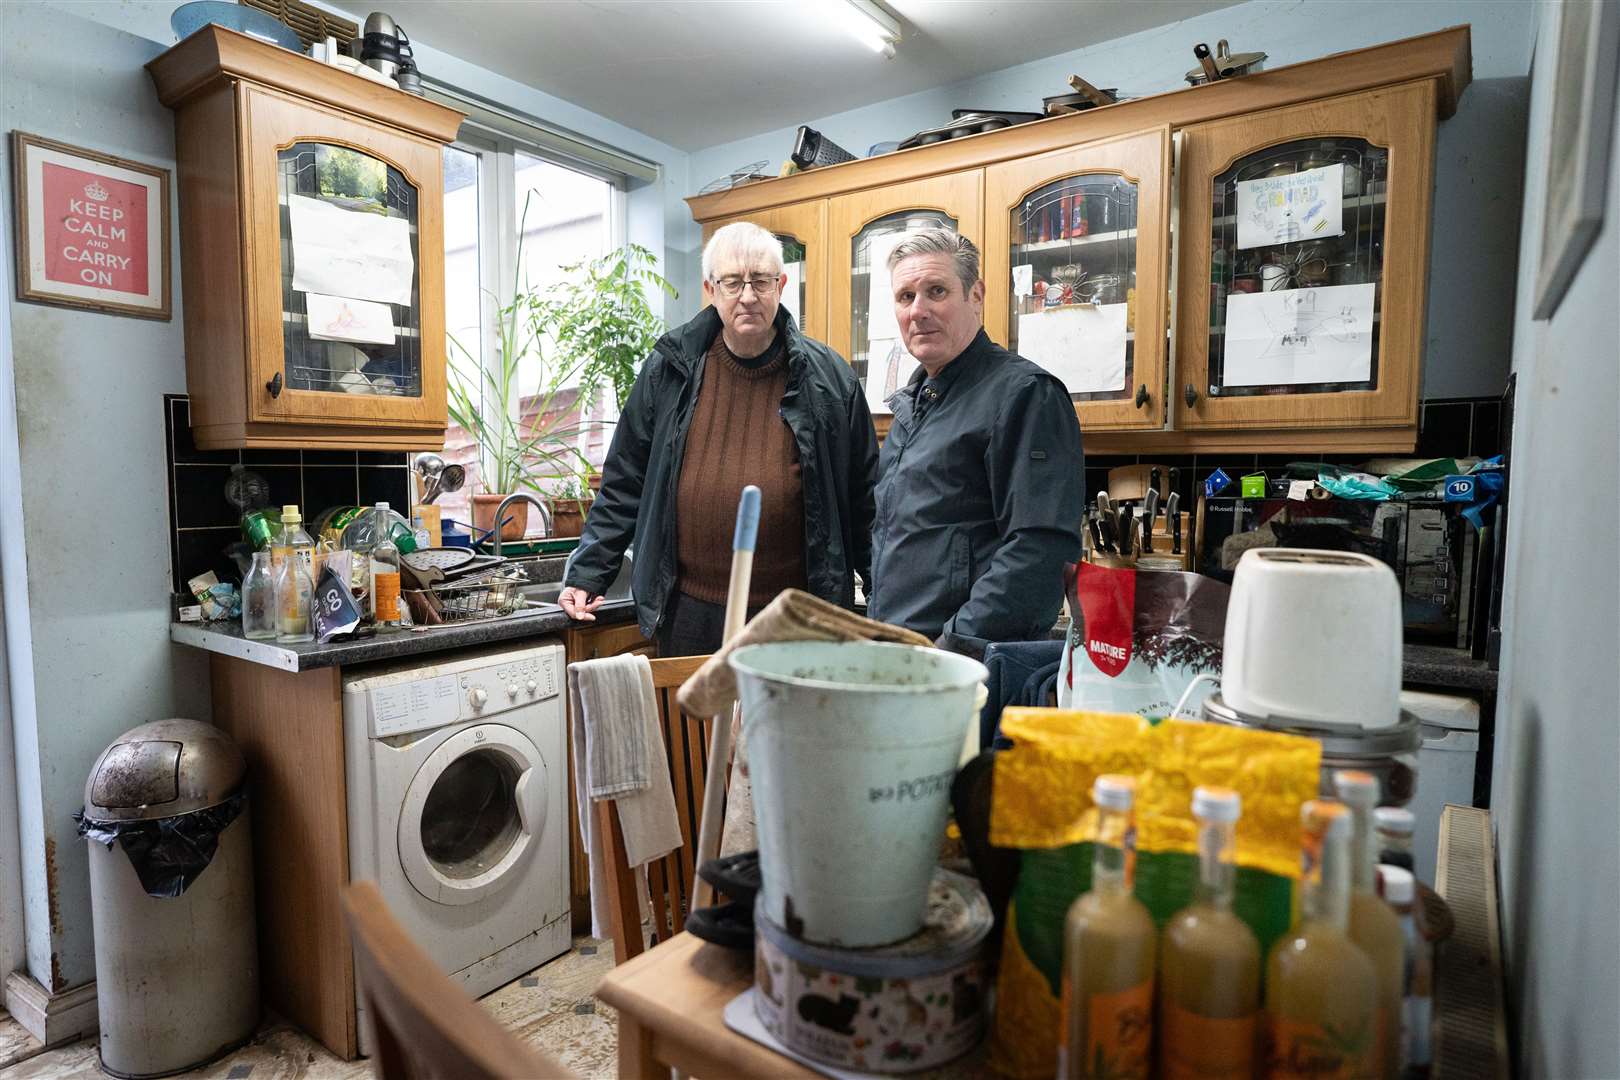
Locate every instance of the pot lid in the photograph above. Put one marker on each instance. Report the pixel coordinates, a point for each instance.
(162, 769)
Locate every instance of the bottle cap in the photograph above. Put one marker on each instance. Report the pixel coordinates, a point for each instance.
(1326, 818)
(289, 515)
(382, 506)
(1356, 787)
(1114, 792)
(1395, 820)
(1398, 884)
(1217, 804)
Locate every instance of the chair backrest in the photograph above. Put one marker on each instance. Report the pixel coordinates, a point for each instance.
(669, 879)
(423, 1025)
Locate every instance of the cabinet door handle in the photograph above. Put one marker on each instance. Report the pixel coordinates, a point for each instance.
(1190, 396)
(1141, 395)
(274, 386)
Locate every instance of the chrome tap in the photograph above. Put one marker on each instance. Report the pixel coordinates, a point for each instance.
(500, 515)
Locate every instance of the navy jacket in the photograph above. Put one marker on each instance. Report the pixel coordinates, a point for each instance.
(980, 500)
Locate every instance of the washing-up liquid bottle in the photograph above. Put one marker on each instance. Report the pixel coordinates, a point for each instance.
(384, 585)
(1321, 1013)
(1209, 962)
(1374, 926)
(1109, 946)
(292, 559)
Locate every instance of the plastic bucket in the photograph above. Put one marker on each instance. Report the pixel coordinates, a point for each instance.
(852, 747)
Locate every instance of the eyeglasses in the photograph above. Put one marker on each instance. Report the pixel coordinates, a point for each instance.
(732, 287)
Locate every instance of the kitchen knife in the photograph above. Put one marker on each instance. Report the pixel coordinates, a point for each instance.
(1153, 480)
(1172, 517)
(1125, 514)
(1096, 531)
(1150, 510)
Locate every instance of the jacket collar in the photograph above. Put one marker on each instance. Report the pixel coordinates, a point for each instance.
(686, 345)
(903, 402)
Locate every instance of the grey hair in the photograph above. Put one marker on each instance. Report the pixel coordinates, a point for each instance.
(758, 248)
(940, 240)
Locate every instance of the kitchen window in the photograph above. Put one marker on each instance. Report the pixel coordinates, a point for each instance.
(499, 190)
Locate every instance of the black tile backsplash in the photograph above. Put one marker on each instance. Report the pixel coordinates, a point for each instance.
(203, 524)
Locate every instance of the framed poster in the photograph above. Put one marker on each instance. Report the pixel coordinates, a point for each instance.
(1583, 86)
(92, 229)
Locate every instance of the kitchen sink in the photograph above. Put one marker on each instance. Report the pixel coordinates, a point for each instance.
(544, 594)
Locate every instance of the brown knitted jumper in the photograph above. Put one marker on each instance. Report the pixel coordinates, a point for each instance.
(738, 437)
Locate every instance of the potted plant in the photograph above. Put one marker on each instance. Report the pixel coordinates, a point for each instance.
(519, 443)
(570, 502)
(599, 321)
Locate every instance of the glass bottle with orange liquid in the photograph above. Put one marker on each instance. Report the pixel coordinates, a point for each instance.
(1321, 990)
(1374, 926)
(1109, 942)
(1209, 967)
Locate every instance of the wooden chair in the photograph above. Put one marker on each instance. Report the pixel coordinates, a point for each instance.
(669, 879)
(425, 1026)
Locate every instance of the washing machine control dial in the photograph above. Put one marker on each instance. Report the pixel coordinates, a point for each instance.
(477, 698)
(512, 691)
(533, 687)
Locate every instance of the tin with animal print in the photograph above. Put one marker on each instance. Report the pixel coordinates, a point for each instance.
(891, 1009)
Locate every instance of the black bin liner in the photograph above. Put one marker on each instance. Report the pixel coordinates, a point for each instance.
(168, 853)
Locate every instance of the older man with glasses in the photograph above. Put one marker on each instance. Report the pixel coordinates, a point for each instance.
(737, 396)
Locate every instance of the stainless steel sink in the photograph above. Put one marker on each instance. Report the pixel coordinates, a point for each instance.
(545, 594)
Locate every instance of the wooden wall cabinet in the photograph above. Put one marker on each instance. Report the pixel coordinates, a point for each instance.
(262, 133)
(1130, 211)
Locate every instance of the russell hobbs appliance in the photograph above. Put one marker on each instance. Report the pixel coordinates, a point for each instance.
(457, 781)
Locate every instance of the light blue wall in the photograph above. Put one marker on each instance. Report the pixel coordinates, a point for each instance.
(88, 619)
(1557, 739)
(1479, 152)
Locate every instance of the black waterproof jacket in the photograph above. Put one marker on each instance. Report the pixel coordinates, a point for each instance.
(838, 455)
(980, 500)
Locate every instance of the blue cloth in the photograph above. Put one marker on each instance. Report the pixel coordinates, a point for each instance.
(1019, 673)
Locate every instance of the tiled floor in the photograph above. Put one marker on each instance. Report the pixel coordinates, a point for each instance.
(552, 1008)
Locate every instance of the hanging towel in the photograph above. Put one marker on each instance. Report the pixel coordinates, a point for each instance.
(615, 711)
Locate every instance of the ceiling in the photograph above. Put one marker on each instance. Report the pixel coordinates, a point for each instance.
(696, 73)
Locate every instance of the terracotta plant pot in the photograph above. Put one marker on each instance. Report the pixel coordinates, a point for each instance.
(595, 480)
(568, 516)
(483, 513)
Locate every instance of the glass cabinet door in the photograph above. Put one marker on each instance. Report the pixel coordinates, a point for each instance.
(346, 305)
(1305, 305)
(802, 228)
(1078, 239)
(867, 226)
(350, 291)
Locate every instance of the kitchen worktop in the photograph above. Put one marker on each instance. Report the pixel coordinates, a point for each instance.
(225, 637)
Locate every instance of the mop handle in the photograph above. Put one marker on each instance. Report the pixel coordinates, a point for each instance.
(742, 571)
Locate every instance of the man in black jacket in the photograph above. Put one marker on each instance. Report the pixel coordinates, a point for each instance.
(736, 396)
(980, 492)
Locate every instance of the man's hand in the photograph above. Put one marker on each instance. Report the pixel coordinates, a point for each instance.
(578, 604)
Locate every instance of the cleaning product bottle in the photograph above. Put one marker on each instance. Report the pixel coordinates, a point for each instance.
(384, 575)
(259, 600)
(1374, 926)
(1321, 990)
(1395, 826)
(1209, 966)
(1400, 892)
(1109, 943)
(292, 559)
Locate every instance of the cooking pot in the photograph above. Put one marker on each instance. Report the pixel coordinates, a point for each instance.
(1227, 64)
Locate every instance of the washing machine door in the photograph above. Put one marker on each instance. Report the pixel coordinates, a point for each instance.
(474, 814)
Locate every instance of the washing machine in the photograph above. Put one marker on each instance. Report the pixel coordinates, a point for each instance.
(457, 785)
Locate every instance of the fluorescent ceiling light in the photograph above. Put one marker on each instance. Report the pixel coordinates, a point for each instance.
(874, 27)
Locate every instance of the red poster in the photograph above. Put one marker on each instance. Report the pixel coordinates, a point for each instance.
(95, 230)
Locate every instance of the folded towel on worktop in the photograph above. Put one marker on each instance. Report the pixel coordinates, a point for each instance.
(792, 616)
(616, 747)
